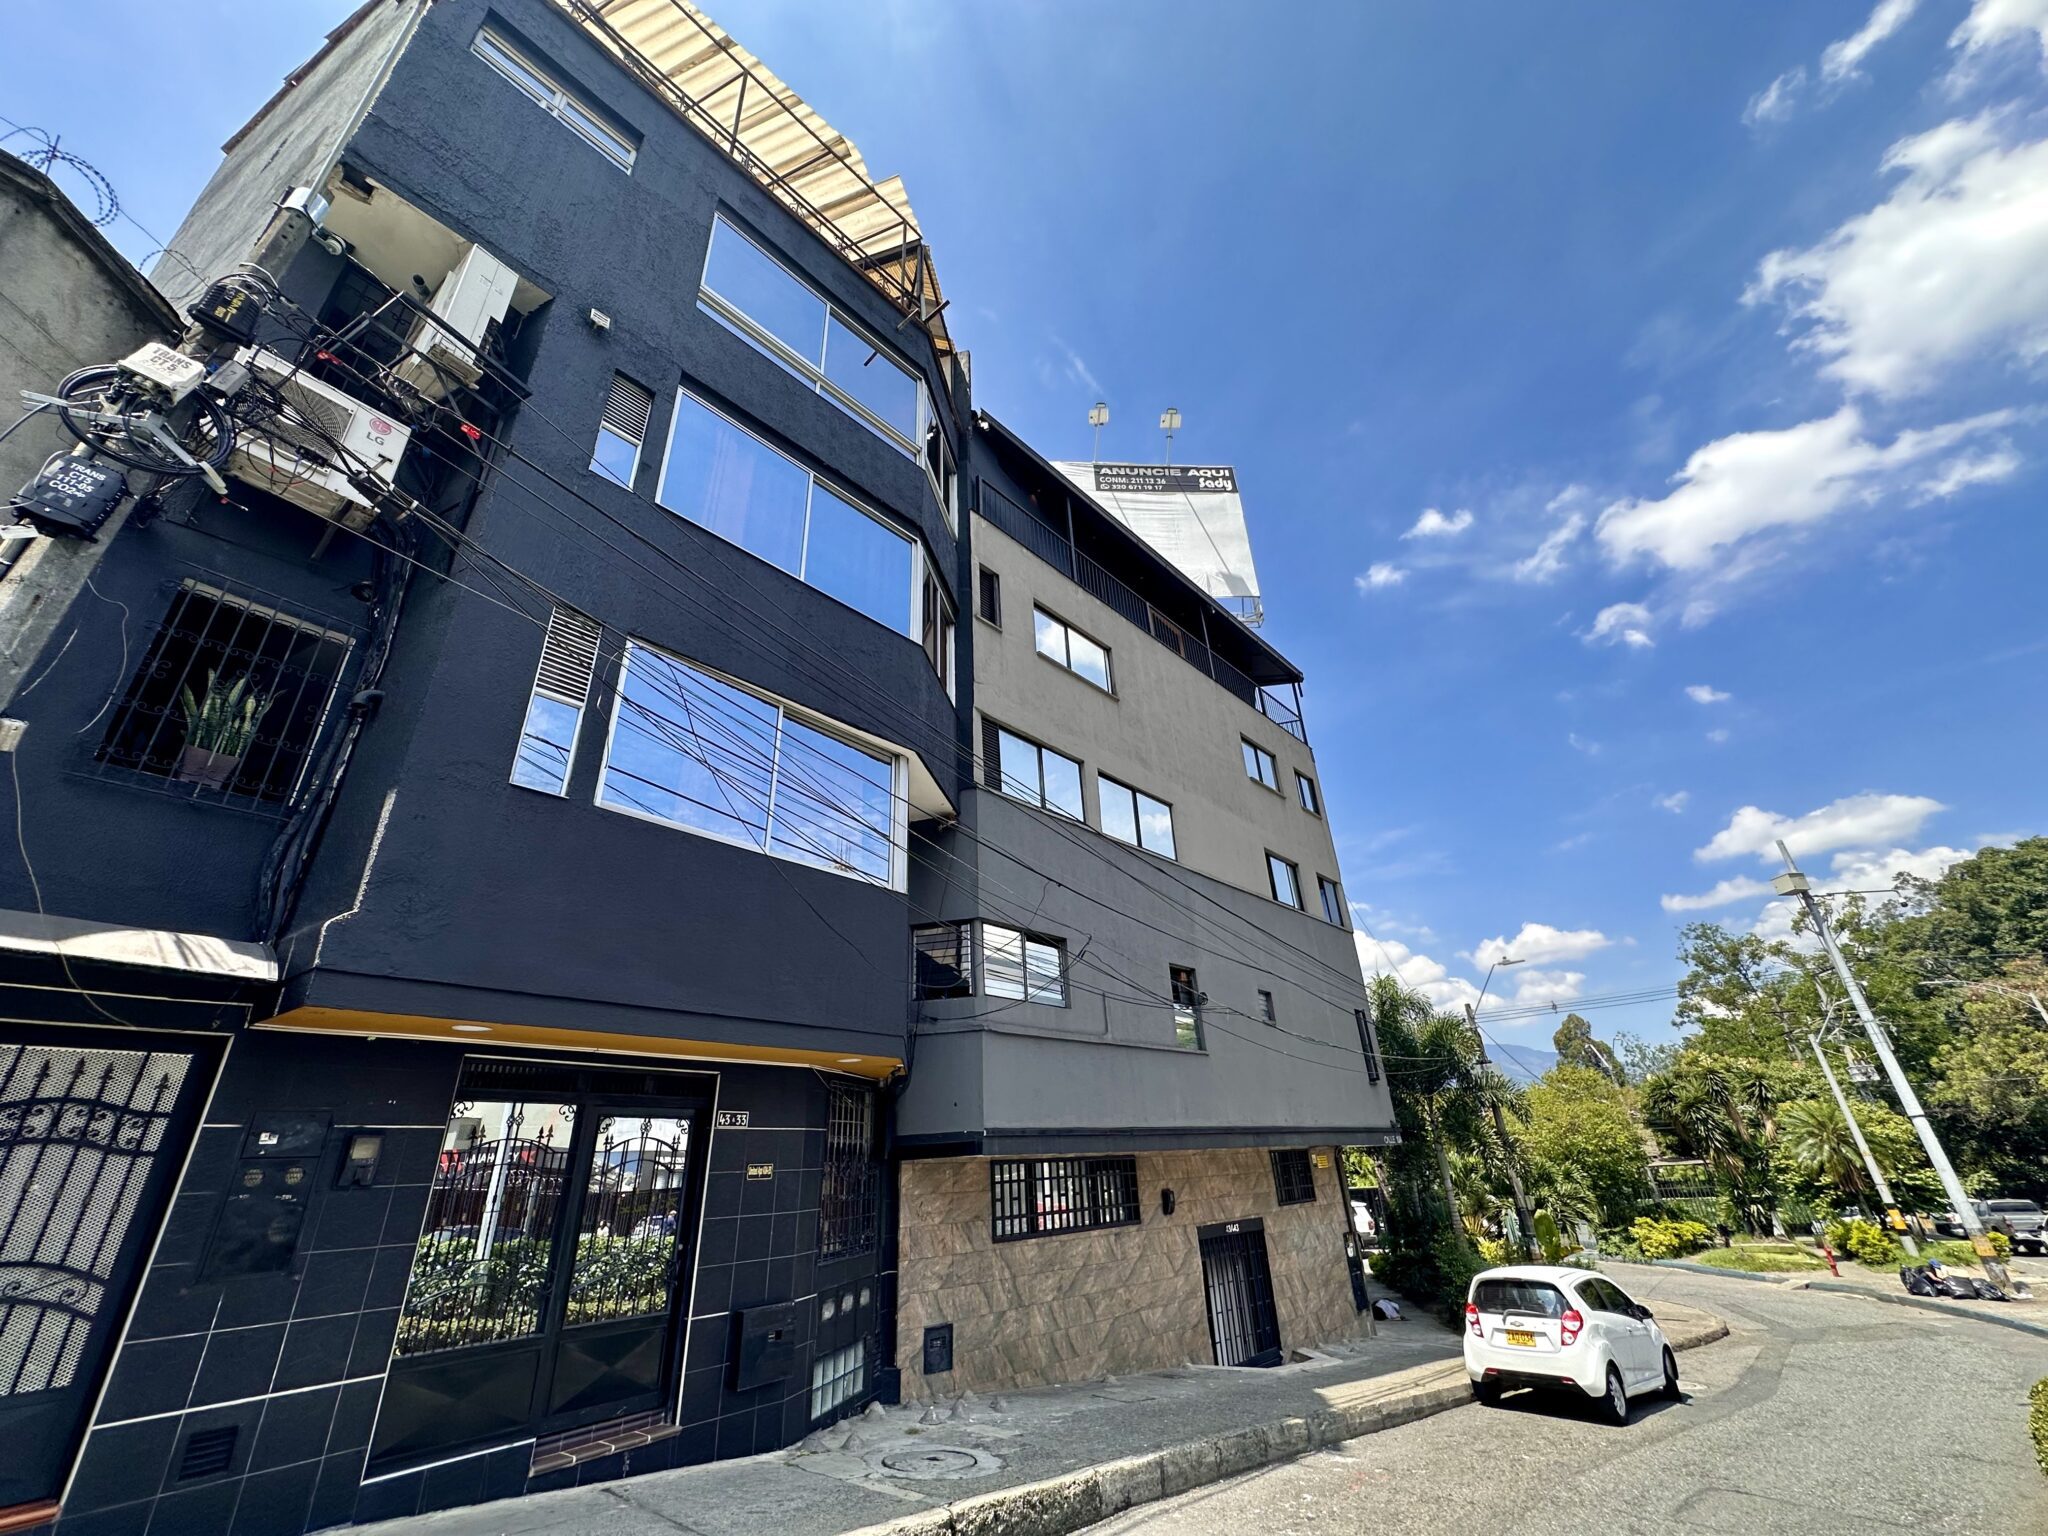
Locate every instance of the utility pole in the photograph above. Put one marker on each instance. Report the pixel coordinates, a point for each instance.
(1500, 1127)
(1884, 1190)
(1793, 883)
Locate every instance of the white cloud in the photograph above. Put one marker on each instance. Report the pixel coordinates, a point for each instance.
(1752, 482)
(1539, 944)
(1992, 23)
(1968, 469)
(1854, 821)
(1774, 103)
(1621, 624)
(1726, 893)
(1419, 973)
(1840, 61)
(1379, 574)
(1535, 988)
(1953, 265)
(1077, 367)
(1434, 525)
(1579, 743)
(1675, 802)
(1706, 693)
(1870, 869)
(1547, 562)
(1698, 612)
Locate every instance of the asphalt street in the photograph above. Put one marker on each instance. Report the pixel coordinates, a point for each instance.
(1817, 1412)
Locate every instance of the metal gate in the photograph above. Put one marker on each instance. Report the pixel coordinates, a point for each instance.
(90, 1136)
(1243, 1325)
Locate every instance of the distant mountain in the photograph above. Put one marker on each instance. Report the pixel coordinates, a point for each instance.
(1525, 1062)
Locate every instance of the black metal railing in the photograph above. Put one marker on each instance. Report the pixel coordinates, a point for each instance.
(1043, 1197)
(849, 1191)
(1052, 546)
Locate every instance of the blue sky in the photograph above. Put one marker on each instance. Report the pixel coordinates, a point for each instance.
(1714, 335)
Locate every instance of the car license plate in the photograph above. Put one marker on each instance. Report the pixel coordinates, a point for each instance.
(1521, 1338)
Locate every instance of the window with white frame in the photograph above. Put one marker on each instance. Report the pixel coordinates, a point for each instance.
(1332, 895)
(554, 711)
(1026, 771)
(1060, 642)
(724, 479)
(774, 310)
(1259, 765)
(1310, 800)
(1023, 966)
(1132, 816)
(622, 430)
(1286, 880)
(696, 751)
(517, 65)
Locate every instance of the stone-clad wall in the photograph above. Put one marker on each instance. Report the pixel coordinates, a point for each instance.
(1046, 1310)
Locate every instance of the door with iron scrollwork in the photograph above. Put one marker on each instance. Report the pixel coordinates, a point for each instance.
(549, 1281)
(92, 1131)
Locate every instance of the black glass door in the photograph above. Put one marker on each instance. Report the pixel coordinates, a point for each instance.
(92, 1131)
(551, 1274)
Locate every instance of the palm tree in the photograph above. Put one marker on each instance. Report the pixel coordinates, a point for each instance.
(1816, 1137)
(1724, 1111)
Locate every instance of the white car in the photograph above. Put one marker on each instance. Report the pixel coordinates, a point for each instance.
(1533, 1325)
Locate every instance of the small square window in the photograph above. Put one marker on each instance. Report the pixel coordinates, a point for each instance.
(1294, 1176)
(1024, 770)
(1310, 800)
(1132, 816)
(945, 960)
(1267, 1011)
(1060, 642)
(1260, 767)
(1332, 895)
(1286, 880)
(1023, 967)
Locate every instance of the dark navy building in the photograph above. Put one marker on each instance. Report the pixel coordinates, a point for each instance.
(488, 861)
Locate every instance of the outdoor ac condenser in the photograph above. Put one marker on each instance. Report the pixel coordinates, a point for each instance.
(297, 462)
(476, 293)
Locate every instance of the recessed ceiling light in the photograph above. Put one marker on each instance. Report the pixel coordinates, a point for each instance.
(471, 1029)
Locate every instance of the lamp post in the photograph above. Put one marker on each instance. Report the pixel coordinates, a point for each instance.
(1098, 418)
(1169, 423)
(1500, 1125)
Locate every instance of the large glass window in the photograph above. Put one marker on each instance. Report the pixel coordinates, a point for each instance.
(1039, 775)
(768, 305)
(1022, 966)
(725, 479)
(1061, 642)
(696, 752)
(556, 99)
(1132, 816)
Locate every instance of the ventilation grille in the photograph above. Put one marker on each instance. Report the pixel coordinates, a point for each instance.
(568, 656)
(991, 753)
(208, 1453)
(991, 597)
(628, 408)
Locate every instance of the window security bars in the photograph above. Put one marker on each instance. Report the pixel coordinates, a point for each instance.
(945, 960)
(1294, 1177)
(229, 701)
(1046, 1197)
(557, 100)
(849, 1193)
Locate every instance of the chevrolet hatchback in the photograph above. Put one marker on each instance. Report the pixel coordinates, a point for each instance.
(1564, 1329)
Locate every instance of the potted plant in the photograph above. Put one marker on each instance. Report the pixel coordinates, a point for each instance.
(219, 725)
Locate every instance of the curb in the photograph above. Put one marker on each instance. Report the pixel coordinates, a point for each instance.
(1968, 1311)
(1783, 1277)
(1076, 1500)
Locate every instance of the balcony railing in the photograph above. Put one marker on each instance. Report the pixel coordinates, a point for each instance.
(1052, 546)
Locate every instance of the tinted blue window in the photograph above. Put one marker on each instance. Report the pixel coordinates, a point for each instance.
(735, 485)
(738, 272)
(834, 804)
(857, 367)
(545, 745)
(690, 749)
(855, 559)
(616, 457)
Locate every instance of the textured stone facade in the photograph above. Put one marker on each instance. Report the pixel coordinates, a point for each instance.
(1044, 1310)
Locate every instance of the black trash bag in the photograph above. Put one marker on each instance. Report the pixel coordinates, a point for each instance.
(1956, 1288)
(1916, 1281)
(1986, 1291)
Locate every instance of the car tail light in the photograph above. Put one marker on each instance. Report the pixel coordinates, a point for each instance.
(1472, 1318)
(1569, 1326)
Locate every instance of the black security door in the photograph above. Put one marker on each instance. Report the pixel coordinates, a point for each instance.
(1243, 1325)
(93, 1129)
(549, 1283)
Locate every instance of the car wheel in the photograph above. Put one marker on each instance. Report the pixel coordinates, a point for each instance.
(1615, 1403)
(1671, 1392)
(1487, 1393)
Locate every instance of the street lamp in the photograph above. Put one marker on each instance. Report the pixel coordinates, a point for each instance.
(1098, 418)
(1169, 423)
(1474, 1008)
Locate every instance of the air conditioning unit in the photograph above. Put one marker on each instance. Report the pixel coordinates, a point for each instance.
(298, 462)
(470, 298)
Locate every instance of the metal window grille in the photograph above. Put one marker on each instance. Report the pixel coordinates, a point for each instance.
(1366, 1046)
(627, 408)
(1044, 1197)
(1294, 1179)
(229, 700)
(945, 960)
(992, 597)
(1266, 1008)
(850, 1188)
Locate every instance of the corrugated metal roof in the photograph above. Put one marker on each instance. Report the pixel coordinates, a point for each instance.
(741, 105)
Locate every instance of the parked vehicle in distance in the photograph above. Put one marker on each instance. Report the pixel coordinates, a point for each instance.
(2020, 1220)
(1556, 1329)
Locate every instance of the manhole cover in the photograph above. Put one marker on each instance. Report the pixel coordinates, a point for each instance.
(920, 1462)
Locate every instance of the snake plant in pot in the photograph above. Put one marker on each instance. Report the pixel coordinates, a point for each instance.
(219, 725)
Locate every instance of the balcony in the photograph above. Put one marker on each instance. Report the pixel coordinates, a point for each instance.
(1186, 638)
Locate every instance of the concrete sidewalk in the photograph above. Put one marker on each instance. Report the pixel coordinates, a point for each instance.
(1038, 1463)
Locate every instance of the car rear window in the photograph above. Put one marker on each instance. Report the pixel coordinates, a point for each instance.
(1537, 1296)
(2016, 1207)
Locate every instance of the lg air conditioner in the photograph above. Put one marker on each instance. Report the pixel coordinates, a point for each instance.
(308, 452)
(471, 297)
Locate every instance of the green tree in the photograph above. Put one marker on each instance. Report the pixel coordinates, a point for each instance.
(1723, 1110)
(1576, 1047)
(1991, 1081)
(1983, 912)
(1641, 1061)
(1583, 1153)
